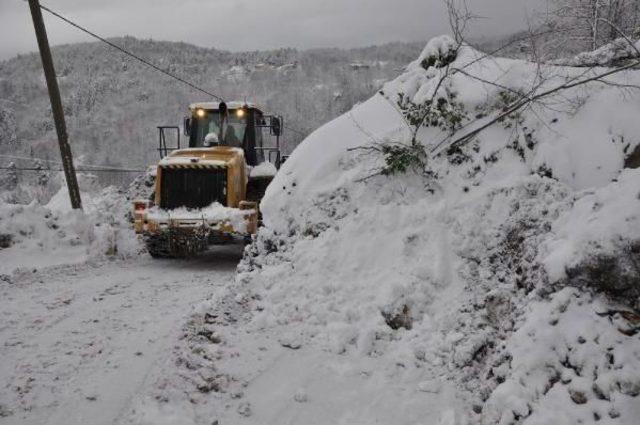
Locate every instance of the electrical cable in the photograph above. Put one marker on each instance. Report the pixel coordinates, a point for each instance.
(101, 167)
(80, 169)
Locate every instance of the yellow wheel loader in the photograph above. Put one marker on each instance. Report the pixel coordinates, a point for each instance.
(210, 192)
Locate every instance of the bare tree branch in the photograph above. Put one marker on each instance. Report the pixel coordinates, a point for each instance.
(488, 122)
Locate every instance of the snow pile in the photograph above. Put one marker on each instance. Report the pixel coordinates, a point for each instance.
(33, 231)
(463, 289)
(265, 169)
(38, 235)
(143, 186)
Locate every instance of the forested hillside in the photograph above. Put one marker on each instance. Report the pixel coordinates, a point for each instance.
(113, 103)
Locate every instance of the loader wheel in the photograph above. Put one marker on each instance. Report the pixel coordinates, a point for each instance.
(256, 187)
(158, 255)
(177, 243)
(158, 246)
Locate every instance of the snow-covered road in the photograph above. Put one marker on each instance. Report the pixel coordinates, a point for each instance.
(78, 343)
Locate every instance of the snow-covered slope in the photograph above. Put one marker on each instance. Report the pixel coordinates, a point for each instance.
(500, 281)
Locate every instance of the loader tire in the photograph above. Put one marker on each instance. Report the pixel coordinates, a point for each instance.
(157, 254)
(158, 246)
(256, 187)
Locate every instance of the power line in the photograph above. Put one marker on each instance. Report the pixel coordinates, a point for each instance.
(86, 170)
(126, 52)
(295, 131)
(14, 102)
(25, 158)
(30, 158)
(110, 170)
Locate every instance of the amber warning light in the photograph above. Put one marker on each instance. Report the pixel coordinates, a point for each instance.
(140, 205)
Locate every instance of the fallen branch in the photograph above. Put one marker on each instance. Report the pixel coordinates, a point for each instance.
(489, 121)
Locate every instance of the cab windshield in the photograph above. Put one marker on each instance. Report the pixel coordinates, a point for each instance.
(210, 123)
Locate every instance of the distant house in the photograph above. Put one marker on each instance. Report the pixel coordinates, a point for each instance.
(358, 66)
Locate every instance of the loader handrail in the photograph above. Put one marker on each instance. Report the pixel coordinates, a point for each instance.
(162, 140)
(271, 151)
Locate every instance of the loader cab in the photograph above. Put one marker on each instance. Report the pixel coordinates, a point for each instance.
(235, 124)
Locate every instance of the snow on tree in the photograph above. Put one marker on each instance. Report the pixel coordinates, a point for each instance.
(8, 128)
(588, 24)
(10, 177)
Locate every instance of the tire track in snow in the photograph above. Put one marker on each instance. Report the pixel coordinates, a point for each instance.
(81, 341)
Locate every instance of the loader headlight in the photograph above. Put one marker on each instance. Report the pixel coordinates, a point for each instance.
(200, 113)
(240, 113)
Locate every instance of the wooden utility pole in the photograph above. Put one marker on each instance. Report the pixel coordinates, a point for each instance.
(56, 105)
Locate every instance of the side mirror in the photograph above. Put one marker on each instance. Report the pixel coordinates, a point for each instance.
(276, 126)
(187, 126)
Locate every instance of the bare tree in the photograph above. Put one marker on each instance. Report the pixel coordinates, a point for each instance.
(540, 90)
(580, 23)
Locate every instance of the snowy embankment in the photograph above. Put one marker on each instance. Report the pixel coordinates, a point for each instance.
(496, 286)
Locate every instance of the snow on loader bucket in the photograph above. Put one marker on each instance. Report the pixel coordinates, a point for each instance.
(206, 194)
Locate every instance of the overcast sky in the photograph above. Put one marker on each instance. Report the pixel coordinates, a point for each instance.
(255, 24)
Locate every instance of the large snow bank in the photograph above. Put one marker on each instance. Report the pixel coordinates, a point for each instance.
(453, 281)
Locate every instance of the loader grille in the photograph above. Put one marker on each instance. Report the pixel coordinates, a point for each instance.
(192, 187)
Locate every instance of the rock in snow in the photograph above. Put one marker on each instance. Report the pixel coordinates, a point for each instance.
(301, 396)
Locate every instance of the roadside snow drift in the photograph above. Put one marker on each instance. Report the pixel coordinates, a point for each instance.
(34, 235)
